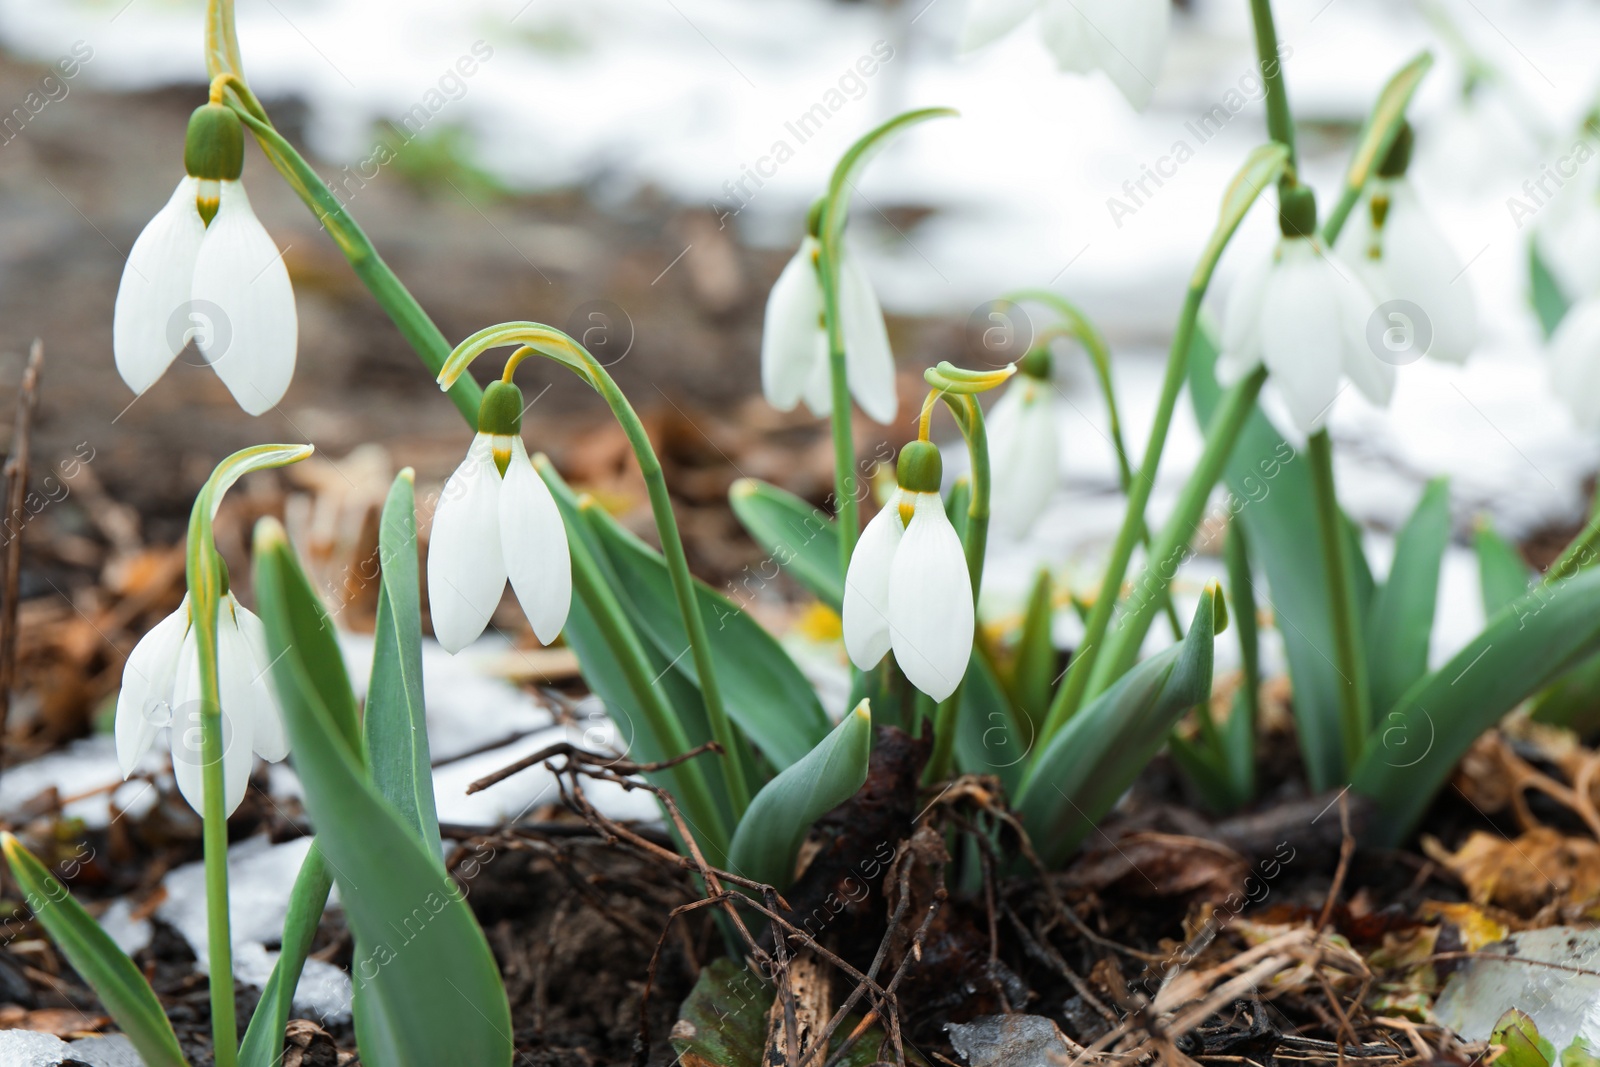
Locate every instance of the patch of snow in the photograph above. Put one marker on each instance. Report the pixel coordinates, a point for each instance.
(88, 765)
(1563, 1000)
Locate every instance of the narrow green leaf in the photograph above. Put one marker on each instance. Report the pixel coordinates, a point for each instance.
(1400, 621)
(1573, 702)
(396, 721)
(264, 1038)
(1034, 671)
(1239, 735)
(767, 696)
(1522, 649)
(798, 537)
(992, 736)
(427, 983)
(768, 840)
(1366, 587)
(115, 979)
(1095, 758)
(1503, 574)
(1550, 304)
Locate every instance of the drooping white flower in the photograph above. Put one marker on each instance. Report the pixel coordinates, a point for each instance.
(1125, 38)
(1024, 450)
(908, 588)
(161, 689)
(1304, 315)
(221, 283)
(1575, 362)
(1566, 235)
(497, 520)
(794, 339)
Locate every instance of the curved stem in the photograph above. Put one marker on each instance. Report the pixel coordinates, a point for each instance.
(1280, 122)
(846, 506)
(536, 339)
(969, 417)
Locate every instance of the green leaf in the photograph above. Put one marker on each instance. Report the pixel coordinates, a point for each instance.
(1093, 760)
(1400, 621)
(396, 721)
(115, 979)
(1581, 1053)
(1521, 650)
(1276, 505)
(1502, 572)
(767, 696)
(428, 986)
(798, 537)
(263, 1040)
(1033, 671)
(992, 737)
(1239, 736)
(1573, 702)
(1550, 304)
(1524, 1047)
(768, 840)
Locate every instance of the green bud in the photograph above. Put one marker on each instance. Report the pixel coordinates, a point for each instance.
(1297, 212)
(921, 467)
(814, 217)
(501, 411)
(1037, 364)
(1399, 158)
(214, 147)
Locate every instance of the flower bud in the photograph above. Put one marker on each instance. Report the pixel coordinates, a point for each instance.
(1297, 212)
(921, 467)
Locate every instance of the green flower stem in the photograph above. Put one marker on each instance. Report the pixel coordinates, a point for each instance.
(1349, 648)
(1280, 122)
(1152, 588)
(846, 506)
(1094, 344)
(969, 417)
(536, 339)
(207, 580)
(1069, 696)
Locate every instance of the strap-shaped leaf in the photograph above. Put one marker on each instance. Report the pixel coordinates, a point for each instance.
(1573, 702)
(427, 983)
(1086, 767)
(1033, 671)
(263, 1040)
(767, 696)
(769, 837)
(118, 983)
(396, 721)
(1522, 649)
(1503, 575)
(1400, 621)
(1550, 304)
(799, 538)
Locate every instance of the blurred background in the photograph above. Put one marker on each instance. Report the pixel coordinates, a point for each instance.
(637, 172)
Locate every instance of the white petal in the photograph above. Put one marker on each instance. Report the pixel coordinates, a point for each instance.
(1125, 38)
(1241, 323)
(866, 587)
(1422, 267)
(792, 336)
(869, 362)
(1024, 455)
(1568, 232)
(534, 544)
(188, 738)
(1302, 333)
(1575, 362)
(1372, 374)
(268, 736)
(466, 571)
(144, 704)
(240, 278)
(990, 20)
(930, 602)
(150, 324)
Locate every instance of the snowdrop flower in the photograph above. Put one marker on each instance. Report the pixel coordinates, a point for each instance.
(908, 588)
(1125, 38)
(1303, 314)
(1567, 234)
(205, 270)
(1575, 362)
(1024, 449)
(1398, 251)
(497, 519)
(161, 688)
(794, 339)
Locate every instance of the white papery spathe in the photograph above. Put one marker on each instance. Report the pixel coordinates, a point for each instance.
(794, 340)
(488, 528)
(1024, 455)
(224, 286)
(1125, 38)
(908, 589)
(1408, 258)
(1575, 362)
(161, 689)
(1304, 316)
